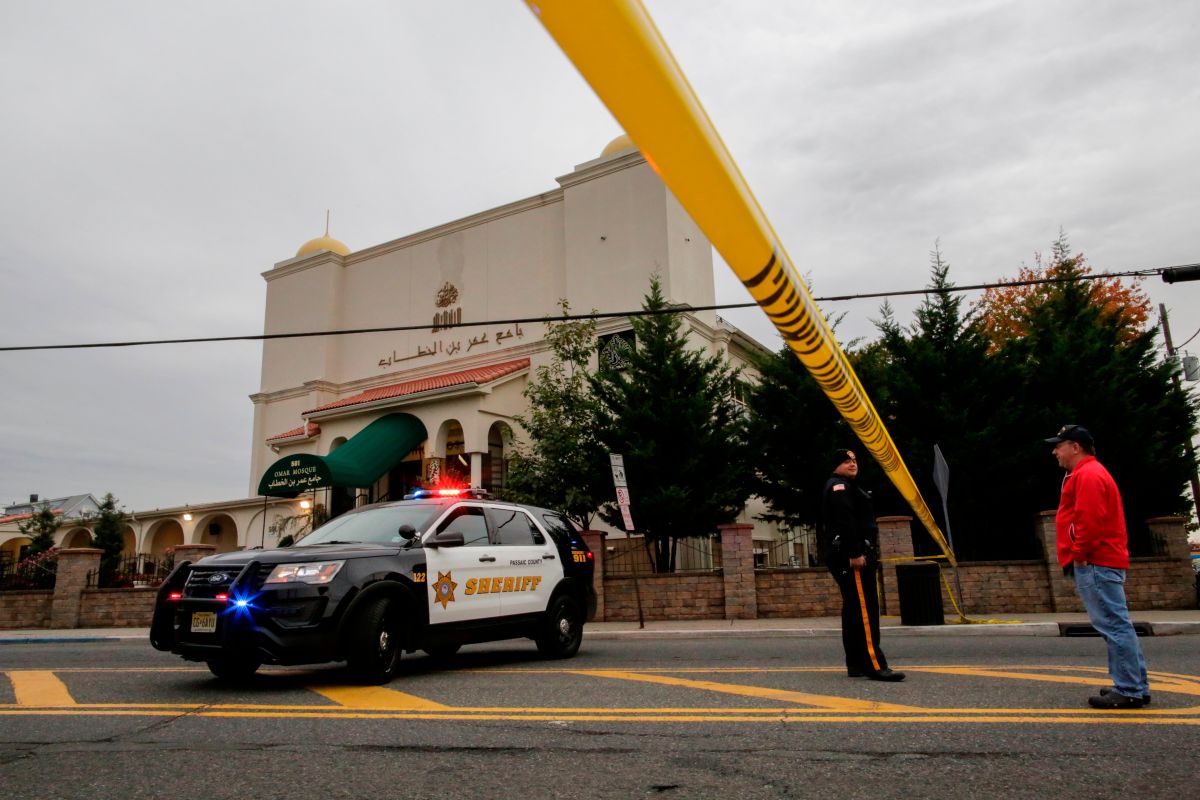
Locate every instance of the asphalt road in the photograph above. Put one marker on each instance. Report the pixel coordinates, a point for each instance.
(714, 717)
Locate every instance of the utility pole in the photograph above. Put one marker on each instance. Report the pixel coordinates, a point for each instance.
(1187, 443)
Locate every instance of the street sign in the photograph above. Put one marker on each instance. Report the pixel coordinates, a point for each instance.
(618, 469)
(626, 518)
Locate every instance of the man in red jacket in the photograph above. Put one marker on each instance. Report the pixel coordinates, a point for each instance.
(1093, 547)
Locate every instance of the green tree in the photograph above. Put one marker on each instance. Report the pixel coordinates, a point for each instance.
(562, 466)
(107, 535)
(936, 373)
(1080, 361)
(672, 413)
(40, 528)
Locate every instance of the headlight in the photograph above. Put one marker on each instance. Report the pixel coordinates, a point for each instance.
(310, 572)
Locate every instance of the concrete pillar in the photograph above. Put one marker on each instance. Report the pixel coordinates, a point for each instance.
(595, 543)
(1062, 588)
(895, 542)
(737, 567)
(476, 470)
(193, 552)
(74, 564)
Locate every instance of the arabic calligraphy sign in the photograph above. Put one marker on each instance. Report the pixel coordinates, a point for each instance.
(450, 347)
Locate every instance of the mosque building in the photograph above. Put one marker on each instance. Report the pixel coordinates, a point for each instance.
(372, 415)
(427, 396)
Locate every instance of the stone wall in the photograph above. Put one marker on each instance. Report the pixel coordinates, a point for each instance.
(116, 608)
(803, 592)
(25, 609)
(678, 596)
(999, 587)
(1160, 583)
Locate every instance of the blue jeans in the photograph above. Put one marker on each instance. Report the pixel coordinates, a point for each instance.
(1102, 590)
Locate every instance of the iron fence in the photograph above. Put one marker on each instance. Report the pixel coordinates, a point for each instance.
(794, 548)
(34, 572)
(133, 570)
(630, 556)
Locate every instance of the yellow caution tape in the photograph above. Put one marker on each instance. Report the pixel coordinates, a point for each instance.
(621, 54)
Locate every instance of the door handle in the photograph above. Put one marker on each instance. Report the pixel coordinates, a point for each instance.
(487, 558)
(548, 556)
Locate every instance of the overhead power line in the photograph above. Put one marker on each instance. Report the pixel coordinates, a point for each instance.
(1184, 272)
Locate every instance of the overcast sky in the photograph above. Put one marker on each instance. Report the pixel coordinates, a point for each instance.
(155, 158)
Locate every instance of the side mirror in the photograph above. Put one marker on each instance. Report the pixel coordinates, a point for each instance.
(539, 539)
(407, 532)
(445, 539)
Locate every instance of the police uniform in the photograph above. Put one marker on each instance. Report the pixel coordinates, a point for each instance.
(849, 531)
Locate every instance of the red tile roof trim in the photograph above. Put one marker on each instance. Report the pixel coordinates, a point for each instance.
(304, 431)
(17, 517)
(466, 377)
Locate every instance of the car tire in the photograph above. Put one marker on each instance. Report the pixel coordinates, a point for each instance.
(443, 652)
(233, 668)
(373, 641)
(562, 630)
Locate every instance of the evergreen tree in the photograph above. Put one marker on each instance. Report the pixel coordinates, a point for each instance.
(562, 466)
(40, 528)
(936, 374)
(672, 413)
(1080, 362)
(107, 535)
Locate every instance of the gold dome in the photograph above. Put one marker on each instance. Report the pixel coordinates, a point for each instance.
(320, 243)
(617, 145)
(325, 242)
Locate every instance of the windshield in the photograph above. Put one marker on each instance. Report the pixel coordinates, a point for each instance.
(374, 525)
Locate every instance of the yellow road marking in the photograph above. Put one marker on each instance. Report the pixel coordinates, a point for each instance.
(41, 693)
(821, 700)
(996, 716)
(36, 687)
(1177, 687)
(376, 697)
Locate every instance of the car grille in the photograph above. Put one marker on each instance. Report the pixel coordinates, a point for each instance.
(208, 582)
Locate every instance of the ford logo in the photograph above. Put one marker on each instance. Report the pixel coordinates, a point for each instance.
(218, 577)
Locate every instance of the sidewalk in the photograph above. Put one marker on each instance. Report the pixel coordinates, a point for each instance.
(1158, 623)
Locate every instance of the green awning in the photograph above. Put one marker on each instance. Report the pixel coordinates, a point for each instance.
(363, 459)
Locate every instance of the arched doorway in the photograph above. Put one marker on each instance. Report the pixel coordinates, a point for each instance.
(79, 537)
(167, 533)
(128, 542)
(219, 530)
(495, 462)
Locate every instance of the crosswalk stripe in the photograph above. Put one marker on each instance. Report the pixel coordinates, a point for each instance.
(376, 697)
(36, 687)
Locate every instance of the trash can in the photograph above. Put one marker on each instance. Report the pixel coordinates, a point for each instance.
(920, 589)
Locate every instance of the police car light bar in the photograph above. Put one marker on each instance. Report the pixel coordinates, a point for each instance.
(420, 494)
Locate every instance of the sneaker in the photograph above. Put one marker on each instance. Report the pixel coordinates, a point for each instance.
(1113, 701)
(1107, 690)
(891, 676)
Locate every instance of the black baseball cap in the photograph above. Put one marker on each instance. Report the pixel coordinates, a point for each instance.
(840, 457)
(1073, 433)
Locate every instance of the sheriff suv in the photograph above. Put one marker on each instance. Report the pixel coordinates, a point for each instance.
(435, 572)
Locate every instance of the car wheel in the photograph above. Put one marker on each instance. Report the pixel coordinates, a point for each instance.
(373, 645)
(443, 651)
(562, 631)
(233, 668)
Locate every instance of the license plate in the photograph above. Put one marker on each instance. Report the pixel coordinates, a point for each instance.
(204, 622)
